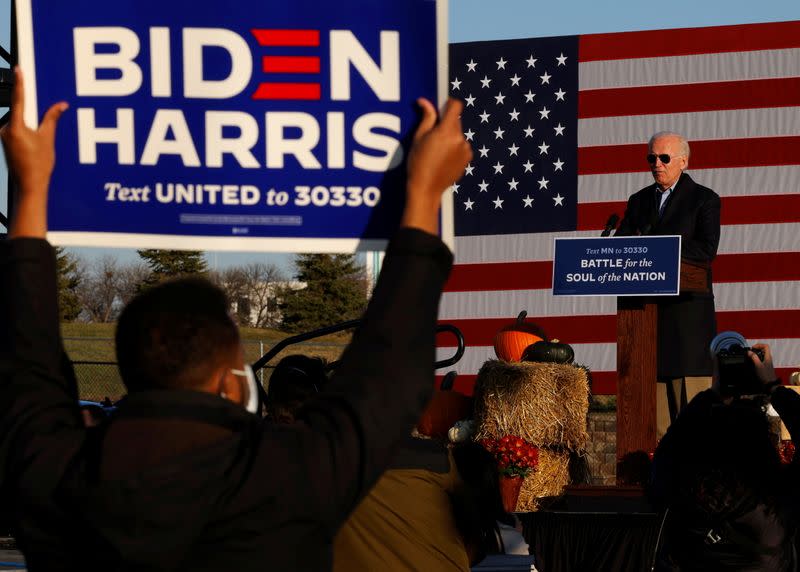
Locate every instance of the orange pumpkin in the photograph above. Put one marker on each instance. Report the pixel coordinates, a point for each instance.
(510, 342)
(444, 409)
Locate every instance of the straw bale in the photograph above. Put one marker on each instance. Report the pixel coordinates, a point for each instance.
(544, 403)
(549, 480)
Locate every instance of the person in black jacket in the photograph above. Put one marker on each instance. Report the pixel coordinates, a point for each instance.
(295, 379)
(717, 476)
(183, 477)
(675, 205)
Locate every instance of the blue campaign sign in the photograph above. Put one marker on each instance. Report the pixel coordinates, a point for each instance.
(618, 266)
(238, 125)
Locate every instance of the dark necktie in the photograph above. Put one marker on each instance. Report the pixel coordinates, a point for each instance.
(662, 202)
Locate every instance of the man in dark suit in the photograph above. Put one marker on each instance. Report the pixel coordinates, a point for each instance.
(675, 204)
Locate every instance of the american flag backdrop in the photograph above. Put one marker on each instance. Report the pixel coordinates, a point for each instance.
(559, 128)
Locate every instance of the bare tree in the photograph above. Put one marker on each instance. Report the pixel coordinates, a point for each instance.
(132, 276)
(106, 286)
(252, 291)
(262, 281)
(234, 283)
(98, 291)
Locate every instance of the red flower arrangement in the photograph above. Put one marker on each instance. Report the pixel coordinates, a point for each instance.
(515, 456)
(786, 452)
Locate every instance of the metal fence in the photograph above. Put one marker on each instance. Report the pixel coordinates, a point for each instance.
(98, 380)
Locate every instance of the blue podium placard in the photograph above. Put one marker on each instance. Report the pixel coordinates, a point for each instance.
(617, 266)
(238, 125)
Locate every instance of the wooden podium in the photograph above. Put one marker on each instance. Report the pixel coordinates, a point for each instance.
(637, 322)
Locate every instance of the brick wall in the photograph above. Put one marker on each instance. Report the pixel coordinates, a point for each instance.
(602, 447)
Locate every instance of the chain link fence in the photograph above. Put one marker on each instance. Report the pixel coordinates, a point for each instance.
(99, 380)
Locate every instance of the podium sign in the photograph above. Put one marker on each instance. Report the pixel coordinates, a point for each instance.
(637, 269)
(618, 266)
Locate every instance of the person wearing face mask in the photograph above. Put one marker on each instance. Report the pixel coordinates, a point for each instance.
(676, 205)
(184, 476)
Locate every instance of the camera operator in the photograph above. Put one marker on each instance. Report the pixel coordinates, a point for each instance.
(718, 477)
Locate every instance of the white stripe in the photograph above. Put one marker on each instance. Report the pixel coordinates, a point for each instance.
(734, 182)
(507, 303)
(737, 296)
(785, 351)
(750, 238)
(732, 296)
(532, 247)
(702, 68)
(603, 357)
(695, 126)
(509, 247)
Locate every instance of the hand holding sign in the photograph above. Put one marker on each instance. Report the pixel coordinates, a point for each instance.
(438, 158)
(31, 157)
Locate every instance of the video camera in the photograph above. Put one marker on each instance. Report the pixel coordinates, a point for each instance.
(737, 372)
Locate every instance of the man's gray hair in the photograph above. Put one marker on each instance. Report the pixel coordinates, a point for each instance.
(681, 139)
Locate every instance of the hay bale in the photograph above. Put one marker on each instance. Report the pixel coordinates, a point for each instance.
(549, 480)
(544, 403)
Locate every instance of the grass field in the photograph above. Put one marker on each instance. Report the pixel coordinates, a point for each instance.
(95, 343)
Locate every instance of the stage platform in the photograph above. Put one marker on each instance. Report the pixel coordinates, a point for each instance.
(593, 528)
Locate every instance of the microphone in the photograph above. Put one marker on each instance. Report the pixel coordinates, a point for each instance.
(611, 224)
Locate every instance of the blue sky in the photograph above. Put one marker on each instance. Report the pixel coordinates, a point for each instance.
(472, 20)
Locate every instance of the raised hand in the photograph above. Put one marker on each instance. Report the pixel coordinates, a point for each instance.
(438, 157)
(764, 369)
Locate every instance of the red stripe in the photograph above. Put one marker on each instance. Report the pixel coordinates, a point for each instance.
(754, 209)
(571, 329)
(685, 41)
(761, 267)
(287, 37)
(593, 216)
(711, 154)
(784, 373)
(290, 64)
(761, 324)
(761, 209)
(602, 329)
(306, 91)
(690, 97)
(603, 382)
(500, 276)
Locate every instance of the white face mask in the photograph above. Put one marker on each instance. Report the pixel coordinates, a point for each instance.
(251, 393)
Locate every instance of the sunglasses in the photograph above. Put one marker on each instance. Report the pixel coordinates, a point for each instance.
(664, 158)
